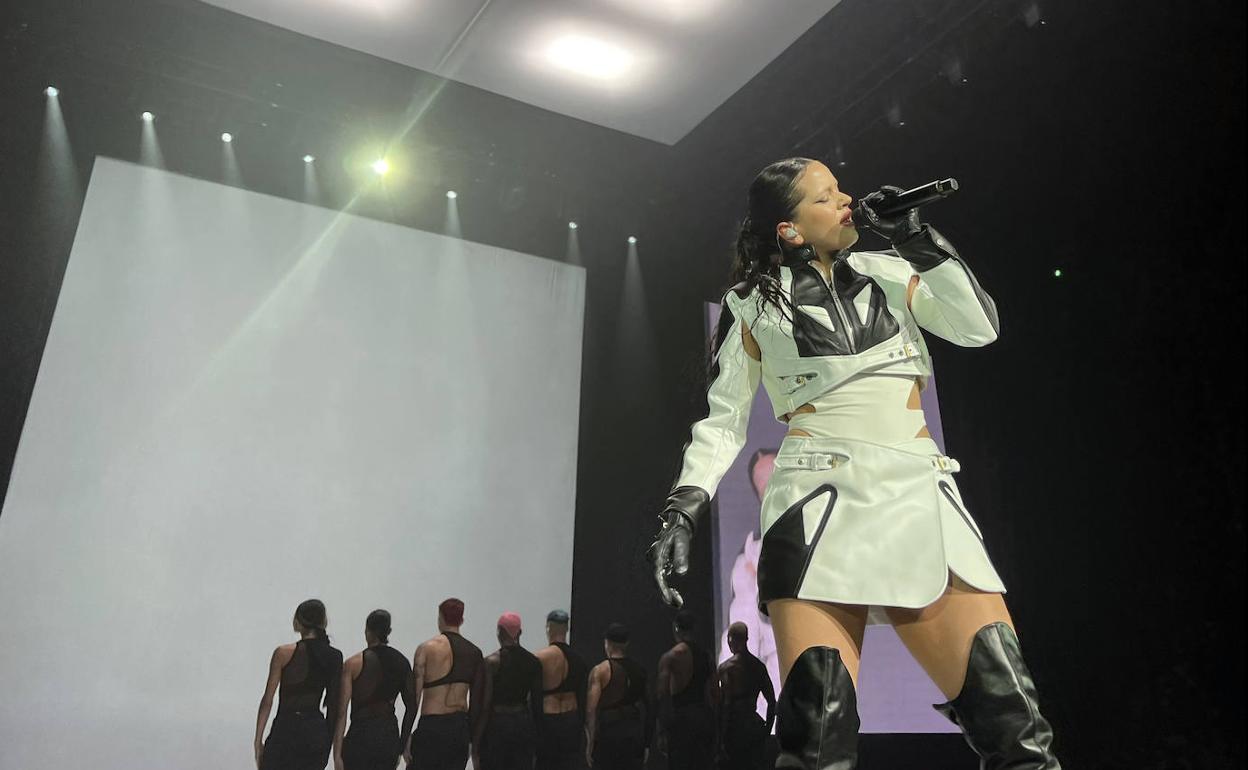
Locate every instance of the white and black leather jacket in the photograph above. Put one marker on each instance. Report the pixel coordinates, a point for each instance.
(856, 323)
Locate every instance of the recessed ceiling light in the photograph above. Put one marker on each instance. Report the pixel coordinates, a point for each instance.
(308, 158)
(52, 91)
(589, 56)
(227, 137)
(147, 117)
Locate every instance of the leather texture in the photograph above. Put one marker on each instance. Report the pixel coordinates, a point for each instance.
(863, 320)
(928, 249)
(828, 321)
(812, 354)
(998, 708)
(896, 227)
(785, 555)
(817, 714)
(716, 440)
(669, 553)
(855, 522)
(691, 504)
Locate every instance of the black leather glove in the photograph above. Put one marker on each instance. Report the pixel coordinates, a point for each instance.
(895, 227)
(669, 553)
(917, 243)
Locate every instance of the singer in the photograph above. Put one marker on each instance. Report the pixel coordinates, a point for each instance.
(862, 520)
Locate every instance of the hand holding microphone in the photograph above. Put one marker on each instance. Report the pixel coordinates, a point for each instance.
(894, 213)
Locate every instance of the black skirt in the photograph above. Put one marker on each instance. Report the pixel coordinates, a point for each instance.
(298, 740)
(441, 742)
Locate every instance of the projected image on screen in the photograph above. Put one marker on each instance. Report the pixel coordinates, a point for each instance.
(894, 694)
(245, 402)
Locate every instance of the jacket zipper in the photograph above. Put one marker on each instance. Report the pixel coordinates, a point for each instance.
(840, 311)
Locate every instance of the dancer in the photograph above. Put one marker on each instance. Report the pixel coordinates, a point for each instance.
(684, 690)
(448, 676)
(741, 737)
(512, 696)
(565, 677)
(306, 671)
(618, 715)
(862, 509)
(371, 682)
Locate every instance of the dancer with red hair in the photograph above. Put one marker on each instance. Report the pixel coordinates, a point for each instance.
(448, 676)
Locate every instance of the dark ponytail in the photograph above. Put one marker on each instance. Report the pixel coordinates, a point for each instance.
(312, 616)
(773, 198)
(378, 623)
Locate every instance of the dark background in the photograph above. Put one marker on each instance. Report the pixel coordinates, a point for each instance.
(1102, 435)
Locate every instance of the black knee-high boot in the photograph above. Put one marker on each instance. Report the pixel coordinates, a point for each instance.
(998, 710)
(817, 714)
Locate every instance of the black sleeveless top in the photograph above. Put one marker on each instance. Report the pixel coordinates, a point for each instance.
(384, 676)
(626, 687)
(695, 692)
(313, 671)
(518, 672)
(574, 678)
(466, 661)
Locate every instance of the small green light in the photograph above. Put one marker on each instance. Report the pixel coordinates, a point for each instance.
(1057, 273)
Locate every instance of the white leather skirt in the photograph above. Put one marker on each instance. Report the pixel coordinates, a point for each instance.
(854, 522)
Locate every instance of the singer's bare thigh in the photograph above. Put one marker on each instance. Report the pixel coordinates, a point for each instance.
(939, 636)
(799, 625)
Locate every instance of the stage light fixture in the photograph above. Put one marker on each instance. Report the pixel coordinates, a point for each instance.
(1057, 273)
(589, 56)
(572, 225)
(451, 194)
(632, 239)
(381, 167)
(227, 137)
(52, 91)
(308, 158)
(147, 117)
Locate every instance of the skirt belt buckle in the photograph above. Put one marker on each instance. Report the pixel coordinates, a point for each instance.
(820, 461)
(946, 464)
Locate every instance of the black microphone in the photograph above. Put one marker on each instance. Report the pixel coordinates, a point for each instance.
(910, 199)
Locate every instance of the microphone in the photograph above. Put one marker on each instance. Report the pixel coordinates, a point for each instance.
(910, 199)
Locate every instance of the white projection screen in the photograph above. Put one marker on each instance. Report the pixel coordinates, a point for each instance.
(245, 402)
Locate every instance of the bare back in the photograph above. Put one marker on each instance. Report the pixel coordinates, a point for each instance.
(564, 679)
(743, 677)
(687, 670)
(447, 673)
(556, 698)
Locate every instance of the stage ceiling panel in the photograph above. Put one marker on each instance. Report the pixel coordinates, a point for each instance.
(652, 68)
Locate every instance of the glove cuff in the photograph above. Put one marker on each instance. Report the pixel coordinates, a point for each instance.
(925, 249)
(686, 506)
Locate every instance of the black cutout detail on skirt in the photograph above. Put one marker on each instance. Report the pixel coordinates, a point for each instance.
(784, 556)
(947, 491)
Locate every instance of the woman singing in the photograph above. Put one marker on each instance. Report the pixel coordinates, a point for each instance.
(862, 510)
(306, 670)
